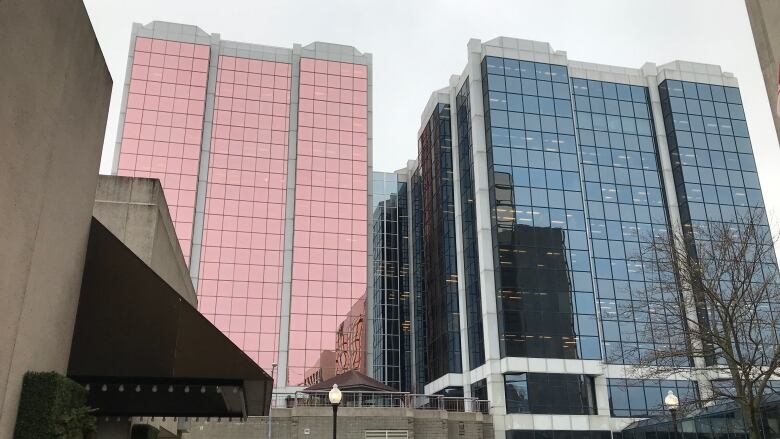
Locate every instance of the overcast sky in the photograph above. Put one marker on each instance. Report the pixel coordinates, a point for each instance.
(418, 44)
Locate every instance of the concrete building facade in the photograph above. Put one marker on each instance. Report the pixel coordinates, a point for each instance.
(538, 179)
(135, 211)
(264, 154)
(765, 22)
(77, 295)
(56, 89)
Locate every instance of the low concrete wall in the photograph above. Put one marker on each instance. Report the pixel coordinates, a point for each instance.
(316, 422)
(113, 428)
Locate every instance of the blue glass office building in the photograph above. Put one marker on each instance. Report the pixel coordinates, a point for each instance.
(390, 313)
(538, 181)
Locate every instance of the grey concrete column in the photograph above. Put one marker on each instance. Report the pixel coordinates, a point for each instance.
(672, 204)
(602, 395)
(203, 165)
(494, 379)
(409, 171)
(369, 202)
(289, 222)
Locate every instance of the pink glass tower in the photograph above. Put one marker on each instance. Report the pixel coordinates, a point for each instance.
(264, 155)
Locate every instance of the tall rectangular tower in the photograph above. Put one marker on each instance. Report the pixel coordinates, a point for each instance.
(264, 154)
(540, 181)
(391, 313)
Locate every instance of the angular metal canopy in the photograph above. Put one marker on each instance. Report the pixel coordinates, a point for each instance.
(144, 350)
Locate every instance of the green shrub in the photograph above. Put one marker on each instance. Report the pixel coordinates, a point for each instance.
(53, 406)
(141, 431)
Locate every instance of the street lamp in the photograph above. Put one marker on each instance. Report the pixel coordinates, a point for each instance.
(270, 409)
(672, 404)
(335, 399)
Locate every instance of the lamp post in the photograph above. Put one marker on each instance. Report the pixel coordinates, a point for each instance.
(335, 399)
(672, 404)
(270, 409)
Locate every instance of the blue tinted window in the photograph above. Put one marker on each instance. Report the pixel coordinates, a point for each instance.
(617, 190)
(538, 212)
(496, 83)
(468, 211)
(713, 165)
(513, 85)
(644, 398)
(441, 306)
(542, 393)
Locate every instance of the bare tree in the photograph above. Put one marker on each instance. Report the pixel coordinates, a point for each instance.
(712, 310)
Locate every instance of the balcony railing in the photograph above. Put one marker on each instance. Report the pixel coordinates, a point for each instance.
(381, 400)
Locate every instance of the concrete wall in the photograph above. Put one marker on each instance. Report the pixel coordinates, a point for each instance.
(765, 22)
(135, 211)
(121, 428)
(352, 424)
(54, 94)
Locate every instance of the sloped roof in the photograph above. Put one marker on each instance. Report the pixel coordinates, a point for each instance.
(352, 380)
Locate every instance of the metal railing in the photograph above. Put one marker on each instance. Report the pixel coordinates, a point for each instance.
(382, 400)
(281, 400)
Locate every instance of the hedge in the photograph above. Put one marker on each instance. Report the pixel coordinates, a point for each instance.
(144, 432)
(53, 406)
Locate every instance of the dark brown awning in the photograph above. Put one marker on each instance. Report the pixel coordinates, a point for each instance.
(144, 350)
(353, 381)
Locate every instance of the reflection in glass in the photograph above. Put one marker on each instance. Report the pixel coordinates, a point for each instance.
(560, 434)
(438, 224)
(331, 228)
(392, 355)
(625, 205)
(243, 228)
(469, 225)
(544, 285)
(713, 167)
(644, 398)
(546, 393)
(163, 122)
(418, 275)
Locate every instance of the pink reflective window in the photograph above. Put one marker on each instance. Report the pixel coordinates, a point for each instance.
(327, 322)
(161, 135)
(243, 237)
